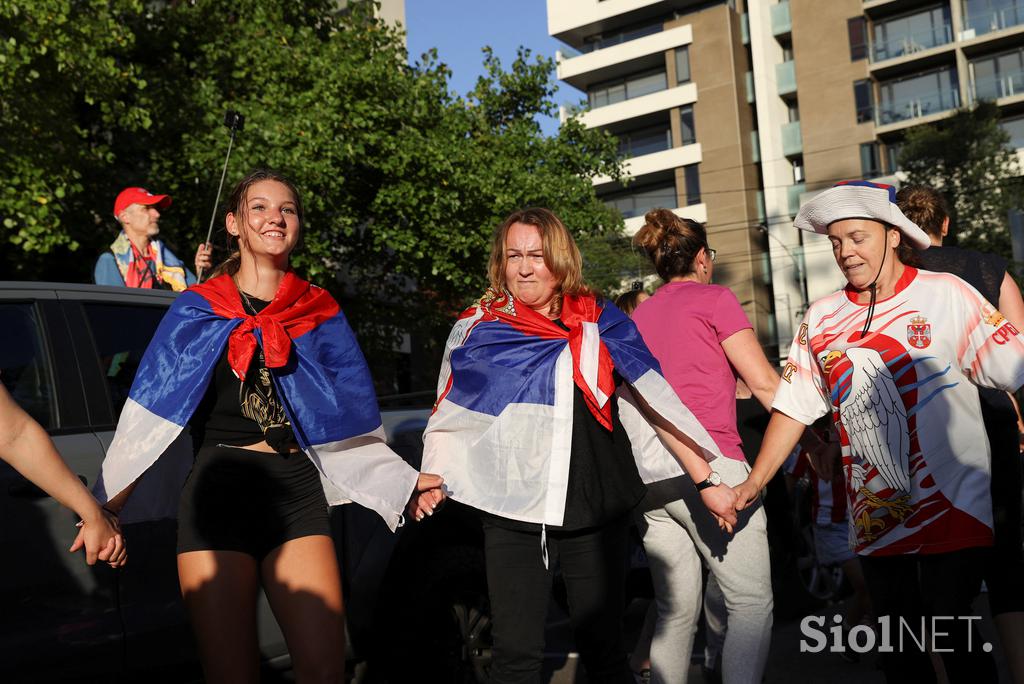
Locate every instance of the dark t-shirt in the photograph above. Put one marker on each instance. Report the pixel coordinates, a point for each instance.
(983, 271)
(240, 413)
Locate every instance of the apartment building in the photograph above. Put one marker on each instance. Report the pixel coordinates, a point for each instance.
(733, 112)
(669, 78)
(866, 71)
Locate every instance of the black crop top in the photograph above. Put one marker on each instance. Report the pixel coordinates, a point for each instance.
(241, 413)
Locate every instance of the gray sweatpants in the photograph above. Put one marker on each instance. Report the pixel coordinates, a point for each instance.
(676, 538)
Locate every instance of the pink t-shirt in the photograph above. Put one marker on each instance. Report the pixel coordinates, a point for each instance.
(684, 324)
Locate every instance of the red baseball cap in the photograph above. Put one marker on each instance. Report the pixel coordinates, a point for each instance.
(130, 196)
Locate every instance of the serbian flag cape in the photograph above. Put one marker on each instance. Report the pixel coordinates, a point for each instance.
(501, 430)
(317, 369)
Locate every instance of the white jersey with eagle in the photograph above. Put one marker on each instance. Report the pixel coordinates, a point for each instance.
(915, 452)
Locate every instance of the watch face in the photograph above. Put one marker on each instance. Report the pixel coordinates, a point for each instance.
(714, 478)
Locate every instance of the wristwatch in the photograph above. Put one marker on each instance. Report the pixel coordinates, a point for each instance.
(714, 479)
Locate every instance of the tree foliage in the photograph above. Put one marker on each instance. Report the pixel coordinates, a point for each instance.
(968, 158)
(403, 181)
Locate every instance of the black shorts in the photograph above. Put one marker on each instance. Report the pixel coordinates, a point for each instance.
(238, 499)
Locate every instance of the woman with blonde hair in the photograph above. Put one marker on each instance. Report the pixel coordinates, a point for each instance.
(703, 340)
(528, 430)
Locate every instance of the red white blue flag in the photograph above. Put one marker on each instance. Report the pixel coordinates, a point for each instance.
(501, 430)
(317, 369)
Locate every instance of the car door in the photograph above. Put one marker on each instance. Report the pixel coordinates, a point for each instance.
(119, 329)
(59, 619)
(115, 332)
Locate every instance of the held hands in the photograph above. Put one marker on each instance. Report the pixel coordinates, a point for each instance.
(100, 535)
(746, 493)
(429, 495)
(721, 501)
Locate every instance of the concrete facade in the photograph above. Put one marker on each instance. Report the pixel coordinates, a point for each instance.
(617, 50)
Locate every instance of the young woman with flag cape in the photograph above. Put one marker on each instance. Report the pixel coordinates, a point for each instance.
(528, 430)
(265, 370)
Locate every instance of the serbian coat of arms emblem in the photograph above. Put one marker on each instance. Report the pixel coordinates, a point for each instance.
(919, 332)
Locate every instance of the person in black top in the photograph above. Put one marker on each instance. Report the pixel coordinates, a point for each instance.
(536, 273)
(987, 273)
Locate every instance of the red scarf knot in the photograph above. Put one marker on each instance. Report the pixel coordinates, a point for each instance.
(297, 308)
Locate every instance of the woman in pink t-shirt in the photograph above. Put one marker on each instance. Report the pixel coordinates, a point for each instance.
(702, 338)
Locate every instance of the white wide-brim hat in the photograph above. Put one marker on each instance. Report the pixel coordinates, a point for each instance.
(859, 199)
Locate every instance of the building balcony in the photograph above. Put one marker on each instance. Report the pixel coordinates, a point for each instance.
(998, 87)
(916, 107)
(911, 43)
(639, 106)
(657, 161)
(782, 23)
(619, 60)
(785, 78)
(573, 21)
(792, 141)
(694, 212)
(980, 18)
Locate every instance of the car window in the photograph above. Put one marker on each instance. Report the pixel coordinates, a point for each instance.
(121, 333)
(24, 365)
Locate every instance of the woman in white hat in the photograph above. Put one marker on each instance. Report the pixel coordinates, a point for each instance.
(893, 358)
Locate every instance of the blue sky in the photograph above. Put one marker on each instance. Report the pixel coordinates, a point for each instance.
(460, 28)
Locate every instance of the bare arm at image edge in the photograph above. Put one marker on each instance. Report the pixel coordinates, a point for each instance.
(25, 445)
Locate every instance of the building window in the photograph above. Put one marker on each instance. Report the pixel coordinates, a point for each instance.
(691, 177)
(918, 95)
(985, 16)
(686, 126)
(910, 33)
(603, 40)
(870, 163)
(1015, 127)
(627, 88)
(793, 111)
(645, 141)
(637, 202)
(999, 76)
(683, 65)
(858, 30)
(798, 170)
(864, 100)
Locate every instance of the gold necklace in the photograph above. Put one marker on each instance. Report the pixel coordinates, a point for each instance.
(252, 309)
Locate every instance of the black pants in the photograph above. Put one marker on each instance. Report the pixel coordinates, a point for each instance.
(1006, 563)
(925, 585)
(593, 564)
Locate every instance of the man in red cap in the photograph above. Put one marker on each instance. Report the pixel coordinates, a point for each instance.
(136, 258)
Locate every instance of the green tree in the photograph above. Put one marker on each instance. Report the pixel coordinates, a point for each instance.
(968, 158)
(403, 181)
(65, 83)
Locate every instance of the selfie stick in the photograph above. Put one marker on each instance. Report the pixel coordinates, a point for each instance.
(235, 122)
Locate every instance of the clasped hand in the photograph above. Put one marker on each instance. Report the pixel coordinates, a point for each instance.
(721, 501)
(102, 539)
(427, 497)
